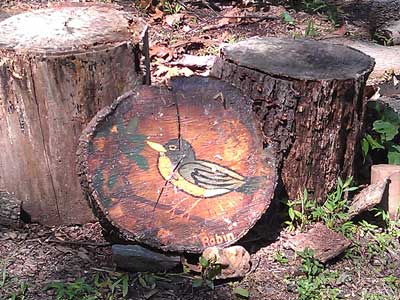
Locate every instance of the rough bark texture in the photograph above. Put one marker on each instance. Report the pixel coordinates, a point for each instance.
(179, 170)
(10, 210)
(308, 96)
(58, 67)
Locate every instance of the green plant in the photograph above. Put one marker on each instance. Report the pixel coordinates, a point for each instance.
(314, 284)
(310, 29)
(288, 19)
(210, 269)
(383, 134)
(331, 11)
(172, 8)
(20, 293)
(241, 292)
(386, 41)
(299, 211)
(280, 257)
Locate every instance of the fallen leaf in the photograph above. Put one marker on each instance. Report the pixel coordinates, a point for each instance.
(232, 13)
(174, 19)
(158, 14)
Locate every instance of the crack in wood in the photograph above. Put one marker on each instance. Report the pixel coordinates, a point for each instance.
(43, 142)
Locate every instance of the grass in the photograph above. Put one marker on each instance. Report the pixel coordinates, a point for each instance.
(375, 239)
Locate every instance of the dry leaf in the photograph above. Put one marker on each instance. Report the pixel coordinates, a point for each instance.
(158, 14)
(174, 19)
(232, 13)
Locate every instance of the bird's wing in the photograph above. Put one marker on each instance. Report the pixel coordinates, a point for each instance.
(209, 175)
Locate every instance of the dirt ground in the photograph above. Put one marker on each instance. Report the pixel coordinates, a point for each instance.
(35, 256)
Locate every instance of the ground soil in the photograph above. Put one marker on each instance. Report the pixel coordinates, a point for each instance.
(39, 255)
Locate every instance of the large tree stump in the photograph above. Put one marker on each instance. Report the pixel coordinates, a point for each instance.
(179, 170)
(309, 97)
(58, 67)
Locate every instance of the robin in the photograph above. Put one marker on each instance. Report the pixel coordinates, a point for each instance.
(177, 163)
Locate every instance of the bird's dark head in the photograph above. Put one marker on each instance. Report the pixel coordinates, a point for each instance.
(177, 150)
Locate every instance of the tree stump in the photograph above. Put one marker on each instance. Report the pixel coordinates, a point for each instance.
(179, 170)
(58, 67)
(10, 210)
(309, 97)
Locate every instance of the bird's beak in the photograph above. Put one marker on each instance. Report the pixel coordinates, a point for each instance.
(156, 146)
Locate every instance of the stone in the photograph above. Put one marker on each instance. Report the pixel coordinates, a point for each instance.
(325, 242)
(235, 260)
(135, 258)
(368, 198)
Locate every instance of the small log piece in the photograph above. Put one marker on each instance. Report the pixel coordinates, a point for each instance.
(10, 210)
(135, 258)
(58, 67)
(309, 97)
(181, 169)
(391, 173)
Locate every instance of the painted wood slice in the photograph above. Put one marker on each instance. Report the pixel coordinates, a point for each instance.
(179, 169)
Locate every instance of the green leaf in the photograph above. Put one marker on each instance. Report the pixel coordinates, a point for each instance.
(387, 129)
(125, 286)
(204, 262)
(142, 162)
(364, 147)
(132, 125)
(197, 282)
(241, 292)
(291, 213)
(394, 155)
(374, 143)
(288, 18)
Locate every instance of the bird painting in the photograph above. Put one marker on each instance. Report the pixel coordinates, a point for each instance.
(177, 163)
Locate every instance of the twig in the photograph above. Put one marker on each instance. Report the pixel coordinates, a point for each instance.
(79, 243)
(218, 26)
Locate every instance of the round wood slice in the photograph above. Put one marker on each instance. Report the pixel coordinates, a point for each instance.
(309, 97)
(58, 67)
(179, 169)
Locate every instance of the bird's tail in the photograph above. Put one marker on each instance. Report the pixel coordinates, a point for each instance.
(251, 184)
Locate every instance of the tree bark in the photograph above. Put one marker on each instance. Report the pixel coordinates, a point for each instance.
(309, 97)
(58, 67)
(179, 170)
(10, 210)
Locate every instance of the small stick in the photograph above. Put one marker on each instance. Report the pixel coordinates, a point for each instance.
(82, 243)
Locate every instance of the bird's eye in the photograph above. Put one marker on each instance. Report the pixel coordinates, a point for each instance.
(172, 147)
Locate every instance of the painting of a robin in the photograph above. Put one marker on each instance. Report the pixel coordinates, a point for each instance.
(177, 163)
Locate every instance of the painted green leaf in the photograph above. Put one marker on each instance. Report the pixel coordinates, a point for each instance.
(387, 129)
(142, 162)
(132, 125)
(98, 179)
(136, 138)
(241, 292)
(112, 179)
(394, 155)
(373, 143)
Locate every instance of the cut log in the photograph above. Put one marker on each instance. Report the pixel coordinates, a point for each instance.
(309, 97)
(10, 210)
(391, 173)
(179, 170)
(135, 258)
(58, 67)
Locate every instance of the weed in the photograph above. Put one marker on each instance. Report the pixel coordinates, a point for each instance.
(381, 39)
(280, 257)
(288, 19)
(384, 132)
(332, 12)
(209, 272)
(172, 8)
(241, 292)
(310, 29)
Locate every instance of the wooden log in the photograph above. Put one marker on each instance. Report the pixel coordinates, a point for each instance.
(58, 67)
(309, 97)
(134, 258)
(391, 173)
(179, 170)
(10, 210)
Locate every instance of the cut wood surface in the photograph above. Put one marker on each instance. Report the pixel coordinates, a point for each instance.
(58, 67)
(179, 170)
(309, 97)
(386, 58)
(10, 210)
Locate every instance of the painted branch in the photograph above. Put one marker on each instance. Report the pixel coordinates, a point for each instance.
(309, 97)
(383, 172)
(10, 210)
(58, 67)
(179, 170)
